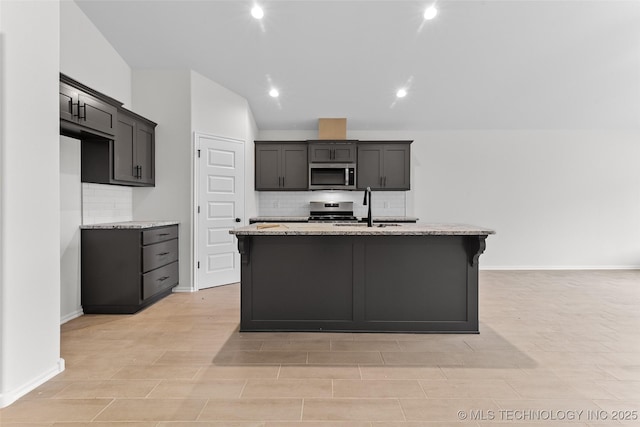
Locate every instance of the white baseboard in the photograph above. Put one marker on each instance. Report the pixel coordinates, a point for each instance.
(183, 289)
(561, 267)
(8, 397)
(71, 316)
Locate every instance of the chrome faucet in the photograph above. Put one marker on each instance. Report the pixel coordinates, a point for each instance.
(365, 203)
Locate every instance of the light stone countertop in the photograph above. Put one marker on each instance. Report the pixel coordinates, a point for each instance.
(361, 229)
(128, 225)
(305, 218)
(279, 219)
(391, 219)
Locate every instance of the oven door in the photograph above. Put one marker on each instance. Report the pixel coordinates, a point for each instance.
(332, 176)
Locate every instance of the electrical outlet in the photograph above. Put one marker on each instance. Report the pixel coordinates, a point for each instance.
(276, 204)
(386, 205)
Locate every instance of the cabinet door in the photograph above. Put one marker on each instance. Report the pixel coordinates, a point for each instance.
(395, 175)
(68, 103)
(268, 166)
(344, 153)
(295, 168)
(145, 153)
(320, 152)
(370, 166)
(332, 152)
(124, 150)
(96, 114)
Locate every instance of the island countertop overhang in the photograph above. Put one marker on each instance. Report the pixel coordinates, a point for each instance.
(342, 229)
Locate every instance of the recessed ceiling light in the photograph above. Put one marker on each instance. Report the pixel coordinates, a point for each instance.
(430, 12)
(257, 12)
(274, 93)
(401, 93)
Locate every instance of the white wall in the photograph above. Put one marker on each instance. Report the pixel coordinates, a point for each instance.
(29, 197)
(220, 112)
(557, 199)
(70, 219)
(88, 57)
(165, 98)
(183, 102)
(215, 110)
(251, 195)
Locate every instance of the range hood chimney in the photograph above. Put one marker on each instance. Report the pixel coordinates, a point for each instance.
(332, 129)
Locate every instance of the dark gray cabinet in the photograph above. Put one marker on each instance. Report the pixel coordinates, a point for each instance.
(84, 112)
(332, 152)
(281, 165)
(125, 270)
(128, 159)
(118, 145)
(133, 150)
(384, 165)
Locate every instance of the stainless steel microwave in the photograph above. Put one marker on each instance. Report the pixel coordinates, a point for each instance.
(332, 176)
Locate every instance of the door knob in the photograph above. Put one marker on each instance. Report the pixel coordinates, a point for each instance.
(238, 220)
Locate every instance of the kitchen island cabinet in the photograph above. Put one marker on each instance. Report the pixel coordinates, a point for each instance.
(337, 277)
(127, 266)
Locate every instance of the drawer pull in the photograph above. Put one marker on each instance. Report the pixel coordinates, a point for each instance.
(163, 253)
(162, 279)
(164, 234)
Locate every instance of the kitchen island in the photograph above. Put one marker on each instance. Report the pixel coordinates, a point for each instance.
(354, 278)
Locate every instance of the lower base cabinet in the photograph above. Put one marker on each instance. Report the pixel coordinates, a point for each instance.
(126, 270)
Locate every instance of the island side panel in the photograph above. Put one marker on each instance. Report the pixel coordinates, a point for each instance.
(475, 246)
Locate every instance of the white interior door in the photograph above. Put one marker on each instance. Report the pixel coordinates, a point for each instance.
(220, 208)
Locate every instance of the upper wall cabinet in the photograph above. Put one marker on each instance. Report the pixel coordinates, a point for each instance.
(384, 165)
(126, 160)
(281, 166)
(133, 149)
(332, 152)
(118, 145)
(85, 110)
(381, 165)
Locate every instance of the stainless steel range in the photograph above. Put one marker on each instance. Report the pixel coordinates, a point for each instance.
(331, 212)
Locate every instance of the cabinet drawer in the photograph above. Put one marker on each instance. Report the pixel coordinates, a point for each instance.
(154, 256)
(159, 280)
(159, 235)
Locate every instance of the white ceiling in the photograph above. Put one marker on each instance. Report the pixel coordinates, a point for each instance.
(478, 65)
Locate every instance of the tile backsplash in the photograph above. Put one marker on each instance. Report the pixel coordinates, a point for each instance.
(296, 203)
(106, 203)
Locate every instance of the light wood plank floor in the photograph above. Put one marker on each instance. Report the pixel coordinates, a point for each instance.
(555, 347)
